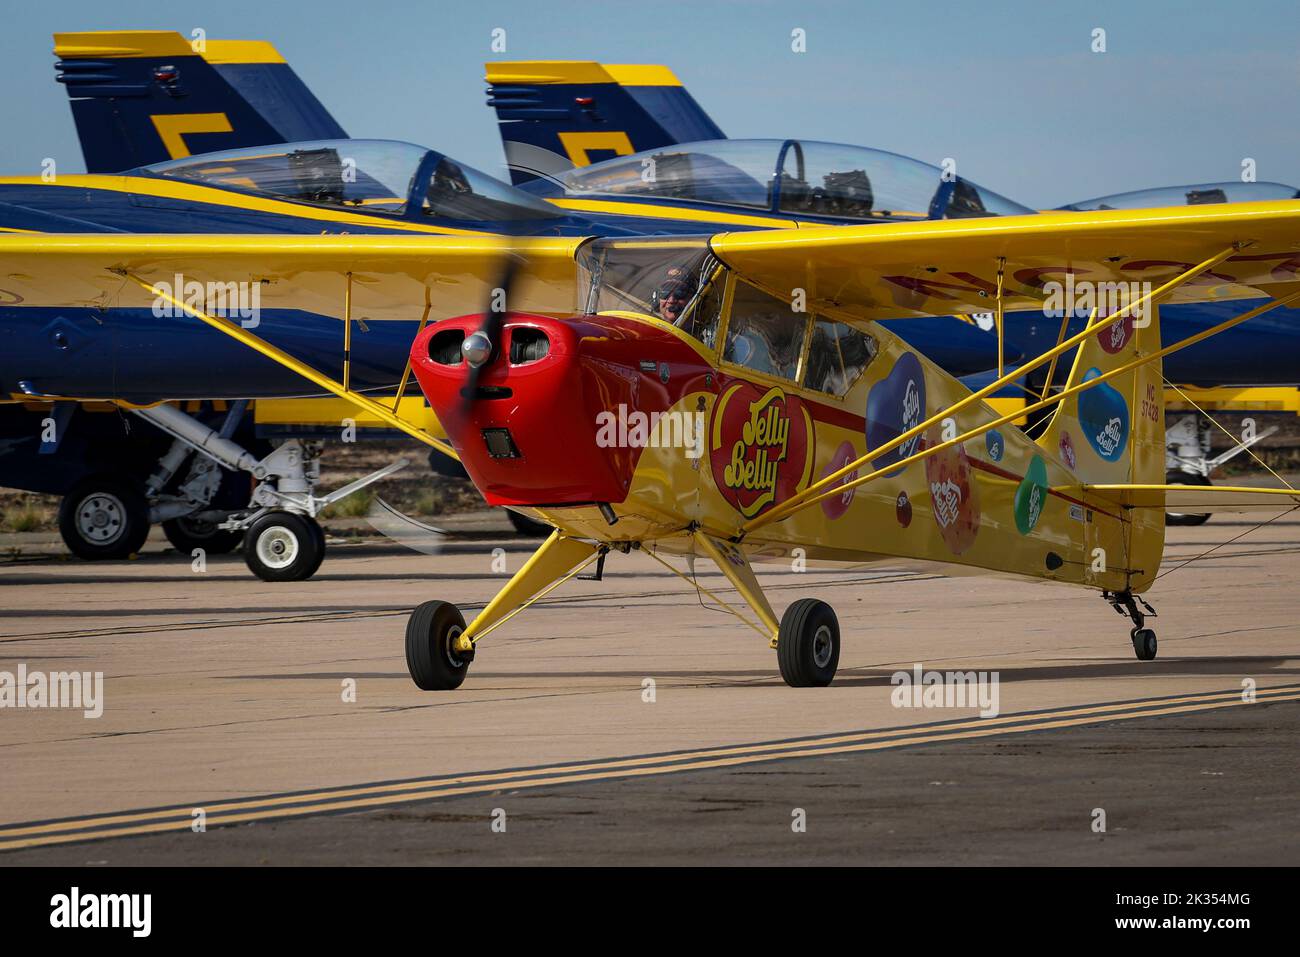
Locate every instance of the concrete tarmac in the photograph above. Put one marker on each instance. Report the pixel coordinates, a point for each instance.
(285, 711)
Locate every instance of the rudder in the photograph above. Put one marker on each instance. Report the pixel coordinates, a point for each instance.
(146, 96)
(555, 115)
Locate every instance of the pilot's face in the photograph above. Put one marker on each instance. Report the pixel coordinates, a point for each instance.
(672, 300)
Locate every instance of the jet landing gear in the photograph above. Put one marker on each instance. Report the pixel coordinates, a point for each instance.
(281, 538)
(104, 517)
(1144, 639)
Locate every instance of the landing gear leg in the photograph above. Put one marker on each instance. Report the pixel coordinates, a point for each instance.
(440, 646)
(1144, 639)
(282, 539)
(807, 640)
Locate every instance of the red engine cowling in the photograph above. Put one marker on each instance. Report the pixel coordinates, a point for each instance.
(529, 436)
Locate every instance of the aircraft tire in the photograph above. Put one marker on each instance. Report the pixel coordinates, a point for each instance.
(808, 644)
(1186, 518)
(1144, 644)
(104, 517)
(284, 547)
(187, 534)
(432, 663)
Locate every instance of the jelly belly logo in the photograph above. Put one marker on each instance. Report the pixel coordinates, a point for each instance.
(896, 404)
(761, 448)
(1103, 417)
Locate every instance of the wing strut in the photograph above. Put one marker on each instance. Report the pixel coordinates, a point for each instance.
(807, 499)
(258, 344)
(826, 487)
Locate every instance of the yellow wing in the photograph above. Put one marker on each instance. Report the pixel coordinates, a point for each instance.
(944, 267)
(393, 277)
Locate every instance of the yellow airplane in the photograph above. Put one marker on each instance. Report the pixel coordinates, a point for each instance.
(734, 397)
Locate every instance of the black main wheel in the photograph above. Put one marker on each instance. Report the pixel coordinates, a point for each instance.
(1144, 644)
(431, 659)
(104, 517)
(284, 547)
(808, 644)
(1187, 518)
(187, 533)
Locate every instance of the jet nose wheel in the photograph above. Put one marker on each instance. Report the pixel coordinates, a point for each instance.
(431, 658)
(808, 644)
(284, 547)
(1144, 644)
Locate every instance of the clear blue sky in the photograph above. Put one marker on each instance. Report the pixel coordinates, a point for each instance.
(1009, 89)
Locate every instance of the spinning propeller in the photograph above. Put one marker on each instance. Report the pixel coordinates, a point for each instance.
(479, 347)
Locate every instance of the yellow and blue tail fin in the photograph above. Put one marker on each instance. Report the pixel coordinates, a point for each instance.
(145, 96)
(558, 114)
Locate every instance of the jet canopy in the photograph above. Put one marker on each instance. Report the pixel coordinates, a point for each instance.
(1230, 192)
(364, 176)
(798, 178)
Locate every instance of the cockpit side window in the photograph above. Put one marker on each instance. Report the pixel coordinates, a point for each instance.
(764, 333)
(837, 357)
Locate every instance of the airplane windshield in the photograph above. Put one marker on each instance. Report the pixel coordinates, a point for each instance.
(796, 177)
(359, 175)
(653, 277)
(1230, 192)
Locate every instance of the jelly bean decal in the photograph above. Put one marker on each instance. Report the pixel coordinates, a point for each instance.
(1066, 445)
(837, 505)
(896, 404)
(1103, 416)
(903, 509)
(1115, 335)
(954, 496)
(1031, 496)
(996, 445)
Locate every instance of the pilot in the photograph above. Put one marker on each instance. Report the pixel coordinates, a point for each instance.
(674, 292)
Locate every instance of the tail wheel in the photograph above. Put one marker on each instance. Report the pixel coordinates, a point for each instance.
(187, 533)
(1144, 644)
(104, 517)
(808, 644)
(431, 658)
(284, 547)
(1187, 518)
